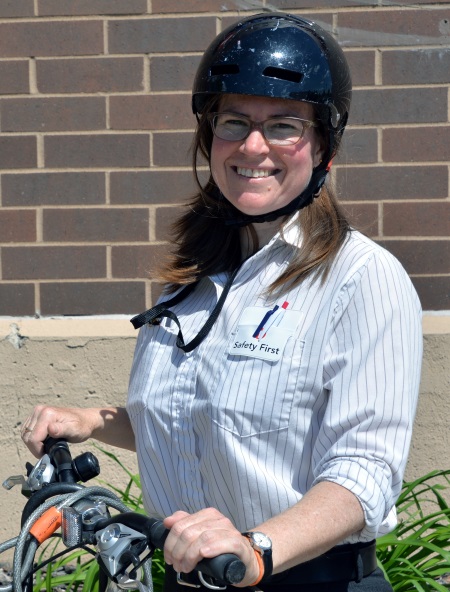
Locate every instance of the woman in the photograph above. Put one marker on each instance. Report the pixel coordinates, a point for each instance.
(273, 392)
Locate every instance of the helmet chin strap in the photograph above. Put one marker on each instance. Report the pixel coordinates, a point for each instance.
(238, 219)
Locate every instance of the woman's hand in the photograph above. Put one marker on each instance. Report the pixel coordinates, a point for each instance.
(206, 534)
(72, 424)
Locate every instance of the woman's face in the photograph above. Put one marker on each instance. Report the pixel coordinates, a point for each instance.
(255, 176)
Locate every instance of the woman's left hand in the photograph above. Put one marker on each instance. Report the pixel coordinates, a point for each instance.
(206, 534)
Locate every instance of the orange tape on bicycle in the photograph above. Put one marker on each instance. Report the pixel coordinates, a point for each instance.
(46, 525)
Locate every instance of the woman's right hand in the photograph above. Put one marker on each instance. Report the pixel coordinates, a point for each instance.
(73, 424)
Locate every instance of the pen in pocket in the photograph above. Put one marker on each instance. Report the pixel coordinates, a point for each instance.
(276, 319)
(266, 317)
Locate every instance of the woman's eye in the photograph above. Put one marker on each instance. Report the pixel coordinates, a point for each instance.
(284, 126)
(234, 123)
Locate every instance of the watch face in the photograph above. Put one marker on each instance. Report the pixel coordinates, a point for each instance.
(261, 540)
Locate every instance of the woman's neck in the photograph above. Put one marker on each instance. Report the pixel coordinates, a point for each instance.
(256, 236)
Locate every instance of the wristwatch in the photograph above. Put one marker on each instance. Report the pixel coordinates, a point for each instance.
(262, 543)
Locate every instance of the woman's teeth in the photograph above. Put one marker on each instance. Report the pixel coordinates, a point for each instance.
(253, 172)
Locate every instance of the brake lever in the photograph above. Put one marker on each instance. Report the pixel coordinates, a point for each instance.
(39, 475)
(114, 543)
(10, 482)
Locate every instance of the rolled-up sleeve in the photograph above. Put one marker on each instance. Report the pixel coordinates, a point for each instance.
(372, 373)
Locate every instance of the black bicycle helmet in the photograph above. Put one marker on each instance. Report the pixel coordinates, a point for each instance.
(281, 56)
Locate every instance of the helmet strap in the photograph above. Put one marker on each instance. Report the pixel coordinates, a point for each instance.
(237, 219)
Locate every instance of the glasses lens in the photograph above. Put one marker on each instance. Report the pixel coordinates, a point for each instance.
(283, 131)
(230, 127)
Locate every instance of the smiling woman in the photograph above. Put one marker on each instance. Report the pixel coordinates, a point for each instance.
(272, 396)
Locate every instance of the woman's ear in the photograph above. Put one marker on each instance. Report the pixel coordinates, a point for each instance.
(319, 152)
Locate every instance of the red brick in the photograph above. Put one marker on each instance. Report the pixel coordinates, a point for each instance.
(394, 27)
(399, 105)
(294, 4)
(170, 73)
(362, 67)
(17, 300)
(16, 8)
(160, 112)
(165, 217)
(363, 217)
(416, 144)
(55, 114)
(160, 35)
(90, 75)
(359, 146)
(14, 77)
(323, 19)
(136, 261)
(416, 66)
(96, 225)
(156, 292)
(421, 256)
(28, 263)
(167, 6)
(172, 149)
(95, 7)
(434, 292)
(18, 152)
(19, 39)
(417, 219)
(381, 183)
(105, 150)
(92, 298)
(151, 187)
(408, 2)
(17, 226)
(35, 189)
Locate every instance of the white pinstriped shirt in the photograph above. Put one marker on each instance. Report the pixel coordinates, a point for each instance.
(250, 436)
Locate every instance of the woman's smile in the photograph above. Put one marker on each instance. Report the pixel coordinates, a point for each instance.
(255, 173)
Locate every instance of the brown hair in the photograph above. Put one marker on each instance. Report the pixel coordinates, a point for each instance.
(204, 244)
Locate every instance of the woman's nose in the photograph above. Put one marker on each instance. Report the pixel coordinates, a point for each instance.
(255, 142)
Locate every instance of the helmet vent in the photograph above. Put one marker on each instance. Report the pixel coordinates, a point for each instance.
(224, 69)
(282, 74)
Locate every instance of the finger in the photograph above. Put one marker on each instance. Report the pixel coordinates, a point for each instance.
(175, 517)
(36, 429)
(195, 536)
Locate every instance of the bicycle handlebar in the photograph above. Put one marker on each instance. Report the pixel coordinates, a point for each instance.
(58, 450)
(226, 568)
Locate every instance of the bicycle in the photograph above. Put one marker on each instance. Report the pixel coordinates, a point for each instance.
(123, 544)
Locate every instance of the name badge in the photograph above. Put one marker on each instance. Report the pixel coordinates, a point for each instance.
(263, 332)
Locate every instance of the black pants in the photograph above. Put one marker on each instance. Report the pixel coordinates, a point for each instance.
(375, 582)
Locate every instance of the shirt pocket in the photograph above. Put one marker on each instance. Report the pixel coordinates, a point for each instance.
(254, 397)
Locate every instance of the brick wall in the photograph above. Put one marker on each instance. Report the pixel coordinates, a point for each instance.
(95, 129)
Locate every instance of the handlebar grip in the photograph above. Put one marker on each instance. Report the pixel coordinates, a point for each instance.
(58, 451)
(226, 568)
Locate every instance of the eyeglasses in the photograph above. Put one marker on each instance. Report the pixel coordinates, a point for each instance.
(278, 131)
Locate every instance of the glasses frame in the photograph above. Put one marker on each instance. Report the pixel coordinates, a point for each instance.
(259, 125)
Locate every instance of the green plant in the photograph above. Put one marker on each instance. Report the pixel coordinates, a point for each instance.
(74, 570)
(415, 556)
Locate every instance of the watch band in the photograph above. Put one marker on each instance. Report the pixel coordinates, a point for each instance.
(265, 553)
(261, 566)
